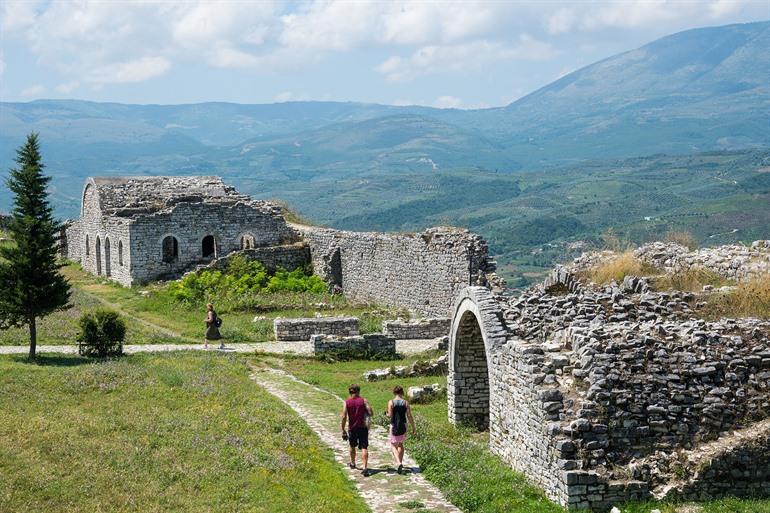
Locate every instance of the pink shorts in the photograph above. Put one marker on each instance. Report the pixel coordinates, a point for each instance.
(396, 439)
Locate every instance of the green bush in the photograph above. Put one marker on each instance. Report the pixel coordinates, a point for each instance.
(101, 333)
(241, 281)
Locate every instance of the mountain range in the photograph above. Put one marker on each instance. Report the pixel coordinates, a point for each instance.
(362, 166)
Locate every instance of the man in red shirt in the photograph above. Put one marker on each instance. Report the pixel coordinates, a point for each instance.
(355, 412)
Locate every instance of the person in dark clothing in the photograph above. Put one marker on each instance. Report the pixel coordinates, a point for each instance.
(399, 412)
(356, 413)
(212, 330)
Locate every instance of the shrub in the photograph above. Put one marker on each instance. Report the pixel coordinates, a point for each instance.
(243, 279)
(689, 280)
(625, 264)
(101, 333)
(684, 238)
(748, 299)
(613, 242)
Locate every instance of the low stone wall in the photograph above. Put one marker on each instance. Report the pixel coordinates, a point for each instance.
(421, 272)
(371, 343)
(732, 261)
(301, 329)
(287, 257)
(417, 328)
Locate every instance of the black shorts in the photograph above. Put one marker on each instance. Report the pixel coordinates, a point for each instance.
(359, 437)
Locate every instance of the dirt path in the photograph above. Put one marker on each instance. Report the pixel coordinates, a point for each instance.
(406, 347)
(385, 491)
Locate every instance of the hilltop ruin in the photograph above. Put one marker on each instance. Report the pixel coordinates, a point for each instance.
(607, 393)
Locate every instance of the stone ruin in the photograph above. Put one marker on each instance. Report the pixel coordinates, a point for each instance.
(137, 229)
(604, 394)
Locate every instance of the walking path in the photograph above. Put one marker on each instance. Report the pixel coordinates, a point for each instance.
(406, 347)
(385, 491)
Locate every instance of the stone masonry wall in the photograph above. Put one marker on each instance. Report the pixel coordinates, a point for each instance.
(417, 328)
(287, 257)
(189, 224)
(372, 343)
(301, 329)
(421, 272)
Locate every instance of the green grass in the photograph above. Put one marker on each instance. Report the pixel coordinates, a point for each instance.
(455, 460)
(171, 321)
(172, 432)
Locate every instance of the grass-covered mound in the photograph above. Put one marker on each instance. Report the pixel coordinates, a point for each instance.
(174, 432)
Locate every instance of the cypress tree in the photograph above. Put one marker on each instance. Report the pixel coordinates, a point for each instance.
(30, 283)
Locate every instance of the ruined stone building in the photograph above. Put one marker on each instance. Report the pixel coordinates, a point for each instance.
(603, 394)
(137, 229)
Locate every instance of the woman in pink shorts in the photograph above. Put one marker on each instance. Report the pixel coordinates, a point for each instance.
(398, 412)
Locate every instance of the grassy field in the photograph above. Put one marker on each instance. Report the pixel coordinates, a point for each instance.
(154, 317)
(458, 461)
(175, 432)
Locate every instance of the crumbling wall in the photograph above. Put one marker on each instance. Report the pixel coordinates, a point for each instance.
(301, 329)
(417, 328)
(287, 257)
(421, 272)
(189, 223)
(373, 343)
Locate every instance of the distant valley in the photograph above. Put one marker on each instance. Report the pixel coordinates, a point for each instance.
(673, 135)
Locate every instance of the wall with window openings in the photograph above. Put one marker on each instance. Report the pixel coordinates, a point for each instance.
(137, 249)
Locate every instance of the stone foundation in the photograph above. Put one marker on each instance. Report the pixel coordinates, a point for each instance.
(301, 329)
(417, 328)
(374, 343)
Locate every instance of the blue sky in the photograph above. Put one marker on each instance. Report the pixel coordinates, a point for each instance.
(437, 53)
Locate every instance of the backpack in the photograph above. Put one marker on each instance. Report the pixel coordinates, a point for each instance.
(218, 322)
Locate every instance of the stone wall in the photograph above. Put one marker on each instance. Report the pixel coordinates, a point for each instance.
(417, 328)
(595, 389)
(301, 329)
(376, 343)
(287, 257)
(189, 223)
(421, 272)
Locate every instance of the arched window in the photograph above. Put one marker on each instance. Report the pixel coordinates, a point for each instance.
(170, 249)
(120, 253)
(107, 262)
(209, 247)
(98, 255)
(247, 241)
(88, 246)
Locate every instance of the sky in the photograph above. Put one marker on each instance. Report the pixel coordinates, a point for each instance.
(448, 54)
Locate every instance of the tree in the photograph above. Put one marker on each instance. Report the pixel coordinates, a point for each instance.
(30, 283)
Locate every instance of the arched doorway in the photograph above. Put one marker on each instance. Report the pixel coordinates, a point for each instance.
(209, 247)
(170, 249)
(469, 382)
(247, 241)
(107, 264)
(98, 256)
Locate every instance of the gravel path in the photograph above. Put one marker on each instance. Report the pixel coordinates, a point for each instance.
(385, 491)
(406, 347)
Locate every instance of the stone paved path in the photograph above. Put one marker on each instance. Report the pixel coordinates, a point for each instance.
(406, 347)
(385, 491)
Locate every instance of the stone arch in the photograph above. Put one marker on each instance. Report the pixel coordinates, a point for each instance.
(107, 257)
(247, 240)
(477, 333)
(98, 255)
(169, 249)
(209, 247)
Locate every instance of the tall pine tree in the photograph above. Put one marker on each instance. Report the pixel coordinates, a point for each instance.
(30, 283)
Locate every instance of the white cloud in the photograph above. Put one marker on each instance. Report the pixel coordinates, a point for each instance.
(17, 15)
(137, 70)
(67, 87)
(448, 102)
(461, 58)
(35, 90)
(560, 22)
